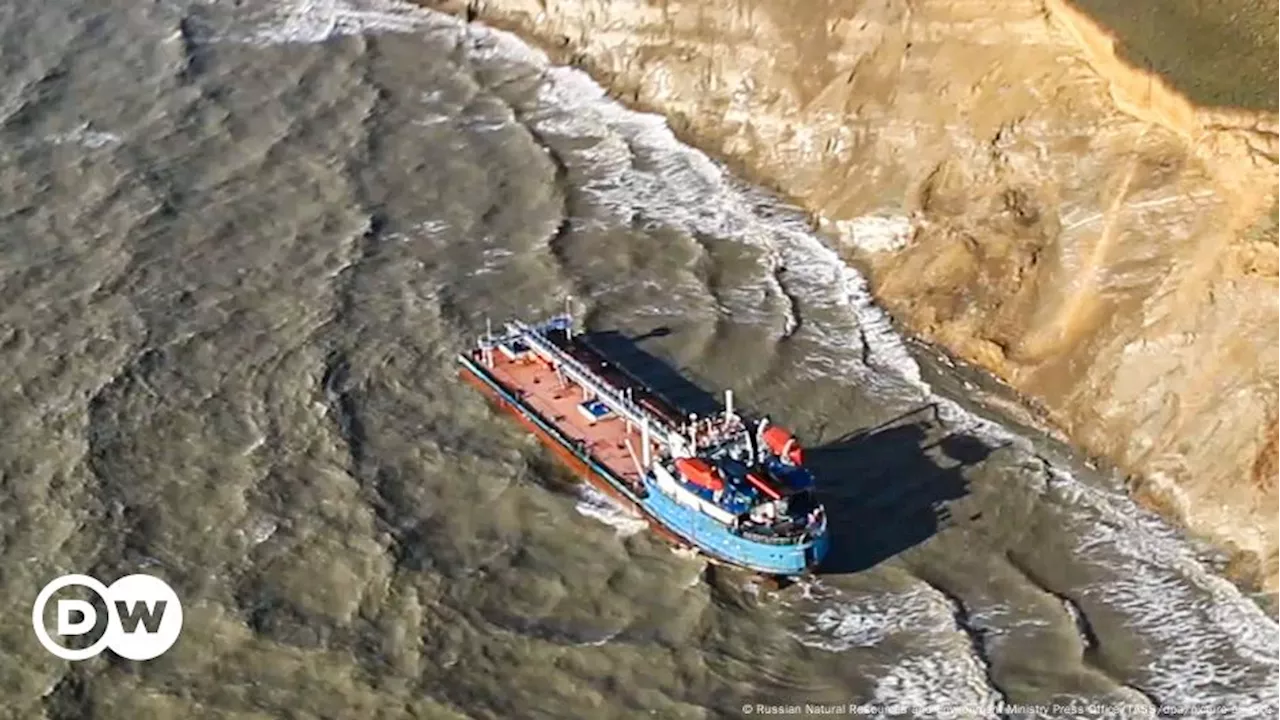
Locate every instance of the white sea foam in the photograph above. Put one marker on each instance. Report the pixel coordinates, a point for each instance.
(259, 530)
(937, 685)
(1207, 640)
(1213, 632)
(937, 662)
(600, 642)
(1210, 642)
(85, 137)
(638, 167)
(848, 621)
(597, 505)
(315, 21)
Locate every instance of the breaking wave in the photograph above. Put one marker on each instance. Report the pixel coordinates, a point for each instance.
(1209, 639)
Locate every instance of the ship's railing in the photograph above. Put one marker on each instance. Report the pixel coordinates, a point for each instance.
(794, 531)
(588, 379)
(773, 539)
(574, 446)
(798, 536)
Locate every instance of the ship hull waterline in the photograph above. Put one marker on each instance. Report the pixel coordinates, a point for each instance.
(593, 471)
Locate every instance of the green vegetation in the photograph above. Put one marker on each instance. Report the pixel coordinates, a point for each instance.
(1216, 52)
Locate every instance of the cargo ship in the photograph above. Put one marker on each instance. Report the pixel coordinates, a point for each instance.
(732, 487)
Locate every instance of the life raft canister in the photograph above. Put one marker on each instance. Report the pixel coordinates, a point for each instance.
(782, 443)
(700, 472)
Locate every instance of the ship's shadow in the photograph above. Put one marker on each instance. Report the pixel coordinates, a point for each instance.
(653, 372)
(890, 488)
(886, 489)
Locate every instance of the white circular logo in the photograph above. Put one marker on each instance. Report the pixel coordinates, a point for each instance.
(144, 617)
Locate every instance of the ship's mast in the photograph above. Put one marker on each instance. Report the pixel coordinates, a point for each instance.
(486, 347)
(760, 439)
(568, 313)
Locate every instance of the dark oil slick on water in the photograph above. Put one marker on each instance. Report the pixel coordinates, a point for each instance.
(241, 243)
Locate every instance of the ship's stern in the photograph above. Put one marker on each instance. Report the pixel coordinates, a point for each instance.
(816, 552)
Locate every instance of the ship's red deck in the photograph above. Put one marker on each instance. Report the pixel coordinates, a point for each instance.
(558, 403)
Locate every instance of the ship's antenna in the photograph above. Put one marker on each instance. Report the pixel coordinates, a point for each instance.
(488, 341)
(568, 313)
(728, 406)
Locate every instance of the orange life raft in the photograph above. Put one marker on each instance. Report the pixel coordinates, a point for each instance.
(700, 472)
(783, 444)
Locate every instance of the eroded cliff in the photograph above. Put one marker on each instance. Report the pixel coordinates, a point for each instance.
(1018, 192)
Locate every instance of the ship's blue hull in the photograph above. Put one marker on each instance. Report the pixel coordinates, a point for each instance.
(718, 541)
(688, 525)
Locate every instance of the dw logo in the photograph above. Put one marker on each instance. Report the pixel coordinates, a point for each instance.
(144, 617)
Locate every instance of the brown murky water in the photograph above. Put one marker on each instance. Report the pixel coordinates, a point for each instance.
(241, 244)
